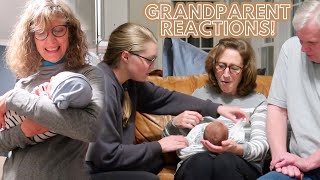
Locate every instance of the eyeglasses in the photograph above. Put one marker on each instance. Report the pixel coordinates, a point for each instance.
(149, 61)
(234, 69)
(57, 31)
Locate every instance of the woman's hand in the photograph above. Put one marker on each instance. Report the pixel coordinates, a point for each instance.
(233, 113)
(3, 110)
(30, 128)
(173, 143)
(228, 145)
(187, 119)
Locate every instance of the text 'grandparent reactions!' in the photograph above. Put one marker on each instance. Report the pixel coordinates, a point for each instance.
(207, 19)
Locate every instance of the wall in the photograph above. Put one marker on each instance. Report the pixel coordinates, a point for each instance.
(7, 79)
(115, 14)
(136, 15)
(8, 18)
(85, 11)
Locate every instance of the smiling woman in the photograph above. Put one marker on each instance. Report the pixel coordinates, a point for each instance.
(52, 42)
(47, 40)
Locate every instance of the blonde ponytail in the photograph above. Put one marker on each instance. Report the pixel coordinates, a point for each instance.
(127, 109)
(127, 37)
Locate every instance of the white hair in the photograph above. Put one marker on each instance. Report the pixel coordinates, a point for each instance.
(305, 12)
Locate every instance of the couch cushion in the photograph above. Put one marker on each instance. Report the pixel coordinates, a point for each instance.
(184, 84)
(167, 173)
(263, 84)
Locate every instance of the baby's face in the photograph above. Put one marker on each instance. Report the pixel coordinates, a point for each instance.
(47, 88)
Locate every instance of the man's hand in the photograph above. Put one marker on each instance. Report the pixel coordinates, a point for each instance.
(187, 119)
(30, 128)
(173, 143)
(291, 170)
(286, 159)
(233, 113)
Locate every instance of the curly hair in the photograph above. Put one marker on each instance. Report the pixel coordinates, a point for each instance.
(21, 55)
(249, 71)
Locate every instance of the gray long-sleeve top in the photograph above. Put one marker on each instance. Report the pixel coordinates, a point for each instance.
(60, 157)
(115, 148)
(255, 146)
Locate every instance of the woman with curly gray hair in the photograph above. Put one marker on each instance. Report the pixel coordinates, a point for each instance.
(47, 40)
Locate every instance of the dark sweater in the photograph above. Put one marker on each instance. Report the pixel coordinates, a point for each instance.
(115, 148)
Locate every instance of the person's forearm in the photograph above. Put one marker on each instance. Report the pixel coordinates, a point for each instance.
(13, 138)
(314, 160)
(110, 156)
(238, 150)
(176, 102)
(277, 130)
(77, 123)
(257, 147)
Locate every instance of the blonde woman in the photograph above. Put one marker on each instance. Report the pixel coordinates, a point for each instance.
(47, 40)
(130, 55)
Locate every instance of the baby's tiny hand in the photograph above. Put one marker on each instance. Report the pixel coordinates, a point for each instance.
(2, 125)
(36, 90)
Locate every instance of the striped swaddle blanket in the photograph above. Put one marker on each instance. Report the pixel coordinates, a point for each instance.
(12, 119)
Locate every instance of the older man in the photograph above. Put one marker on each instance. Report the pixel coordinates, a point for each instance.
(295, 96)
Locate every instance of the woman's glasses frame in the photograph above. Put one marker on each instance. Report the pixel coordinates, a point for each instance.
(234, 69)
(149, 61)
(57, 31)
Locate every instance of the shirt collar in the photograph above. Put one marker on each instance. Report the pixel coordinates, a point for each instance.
(48, 63)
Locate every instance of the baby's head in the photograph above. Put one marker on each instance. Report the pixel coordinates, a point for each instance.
(216, 132)
(70, 89)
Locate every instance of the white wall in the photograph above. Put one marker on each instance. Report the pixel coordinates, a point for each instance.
(10, 11)
(116, 13)
(122, 11)
(136, 15)
(8, 17)
(85, 11)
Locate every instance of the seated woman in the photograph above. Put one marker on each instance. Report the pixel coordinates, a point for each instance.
(231, 67)
(131, 52)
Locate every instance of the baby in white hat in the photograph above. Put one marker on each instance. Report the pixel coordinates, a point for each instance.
(66, 89)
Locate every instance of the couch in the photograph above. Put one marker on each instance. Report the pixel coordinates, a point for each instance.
(149, 127)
